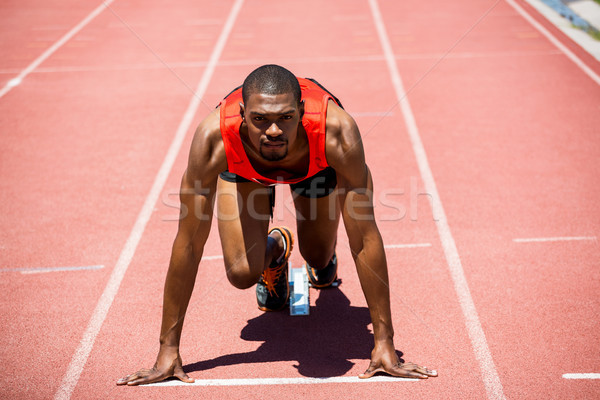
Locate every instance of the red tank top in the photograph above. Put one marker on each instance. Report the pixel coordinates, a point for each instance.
(314, 119)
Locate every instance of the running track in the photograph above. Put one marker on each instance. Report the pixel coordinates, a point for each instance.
(493, 153)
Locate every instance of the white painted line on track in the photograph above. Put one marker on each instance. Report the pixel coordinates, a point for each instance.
(59, 269)
(554, 239)
(212, 257)
(555, 42)
(42, 270)
(490, 377)
(281, 381)
(14, 82)
(407, 245)
(110, 291)
(57, 45)
(582, 376)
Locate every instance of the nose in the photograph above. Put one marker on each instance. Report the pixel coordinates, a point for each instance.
(274, 130)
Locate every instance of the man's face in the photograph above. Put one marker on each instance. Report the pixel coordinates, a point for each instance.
(272, 122)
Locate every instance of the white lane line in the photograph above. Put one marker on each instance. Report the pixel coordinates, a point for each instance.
(110, 291)
(581, 376)
(554, 239)
(58, 269)
(212, 257)
(58, 44)
(556, 42)
(42, 270)
(490, 377)
(406, 246)
(281, 381)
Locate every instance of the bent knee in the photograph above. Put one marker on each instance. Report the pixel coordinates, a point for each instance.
(241, 275)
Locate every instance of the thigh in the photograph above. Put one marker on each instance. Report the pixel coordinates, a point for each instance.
(317, 224)
(243, 213)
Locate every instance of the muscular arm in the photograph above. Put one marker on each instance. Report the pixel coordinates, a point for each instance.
(345, 154)
(198, 187)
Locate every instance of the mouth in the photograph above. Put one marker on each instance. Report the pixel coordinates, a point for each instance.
(275, 145)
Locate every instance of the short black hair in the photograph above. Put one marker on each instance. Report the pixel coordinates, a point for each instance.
(271, 79)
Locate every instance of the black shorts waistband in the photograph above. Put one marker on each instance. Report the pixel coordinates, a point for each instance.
(321, 184)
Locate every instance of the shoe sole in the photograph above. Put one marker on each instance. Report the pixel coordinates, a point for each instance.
(288, 237)
(314, 284)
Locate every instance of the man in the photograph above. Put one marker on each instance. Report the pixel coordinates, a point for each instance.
(276, 129)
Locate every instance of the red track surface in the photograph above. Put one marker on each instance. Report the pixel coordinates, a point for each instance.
(510, 127)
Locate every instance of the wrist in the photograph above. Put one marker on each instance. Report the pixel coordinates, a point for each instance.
(169, 345)
(384, 340)
(170, 338)
(168, 352)
(383, 332)
(384, 345)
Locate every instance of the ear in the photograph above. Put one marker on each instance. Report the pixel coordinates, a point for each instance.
(242, 110)
(301, 109)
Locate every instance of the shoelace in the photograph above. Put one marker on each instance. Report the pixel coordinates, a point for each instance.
(270, 277)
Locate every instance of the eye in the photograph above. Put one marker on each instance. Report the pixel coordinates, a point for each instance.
(258, 119)
(286, 117)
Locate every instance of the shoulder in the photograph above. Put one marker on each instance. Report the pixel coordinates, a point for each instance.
(207, 153)
(343, 144)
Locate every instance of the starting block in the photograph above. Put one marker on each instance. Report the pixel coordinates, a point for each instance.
(299, 293)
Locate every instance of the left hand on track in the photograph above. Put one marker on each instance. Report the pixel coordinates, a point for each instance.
(385, 359)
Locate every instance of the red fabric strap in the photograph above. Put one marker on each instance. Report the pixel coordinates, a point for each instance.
(314, 122)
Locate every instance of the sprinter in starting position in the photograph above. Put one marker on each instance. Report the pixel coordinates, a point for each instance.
(277, 129)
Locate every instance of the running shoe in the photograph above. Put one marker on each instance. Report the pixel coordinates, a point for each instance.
(273, 289)
(324, 277)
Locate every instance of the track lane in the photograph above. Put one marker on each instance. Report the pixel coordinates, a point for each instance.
(74, 172)
(511, 144)
(31, 27)
(212, 350)
(48, 48)
(428, 323)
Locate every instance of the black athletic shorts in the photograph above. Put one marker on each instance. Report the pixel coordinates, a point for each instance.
(319, 185)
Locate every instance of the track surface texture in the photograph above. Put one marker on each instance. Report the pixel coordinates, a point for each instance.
(482, 137)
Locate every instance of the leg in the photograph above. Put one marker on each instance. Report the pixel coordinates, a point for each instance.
(317, 223)
(243, 212)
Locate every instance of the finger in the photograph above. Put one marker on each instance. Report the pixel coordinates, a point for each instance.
(129, 378)
(421, 369)
(370, 372)
(139, 373)
(425, 371)
(147, 379)
(402, 372)
(182, 376)
(412, 374)
(142, 376)
(122, 381)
